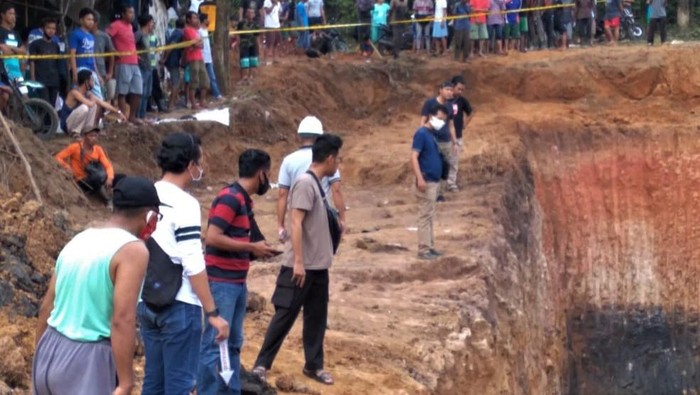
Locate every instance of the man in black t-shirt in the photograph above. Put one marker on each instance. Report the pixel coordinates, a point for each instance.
(45, 70)
(446, 139)
(460, 106)
(256, 5)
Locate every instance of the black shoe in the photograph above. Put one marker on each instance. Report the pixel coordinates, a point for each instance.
(427, 256)
(435, 252)
(441, 199)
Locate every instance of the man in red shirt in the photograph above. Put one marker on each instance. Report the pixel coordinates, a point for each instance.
(129, 79)
(195, 61)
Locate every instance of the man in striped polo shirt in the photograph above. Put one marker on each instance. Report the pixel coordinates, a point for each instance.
(232, 240)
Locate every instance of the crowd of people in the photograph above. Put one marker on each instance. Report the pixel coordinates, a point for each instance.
(130, 85)
(148, 263)
(127, 85)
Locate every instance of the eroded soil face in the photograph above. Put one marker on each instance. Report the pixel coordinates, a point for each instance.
(570, 259)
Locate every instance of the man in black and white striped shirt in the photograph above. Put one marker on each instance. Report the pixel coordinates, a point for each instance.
(172, 334)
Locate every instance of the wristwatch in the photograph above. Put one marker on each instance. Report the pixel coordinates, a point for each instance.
(213, 313)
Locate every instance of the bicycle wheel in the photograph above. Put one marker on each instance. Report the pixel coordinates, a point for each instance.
(39, 116)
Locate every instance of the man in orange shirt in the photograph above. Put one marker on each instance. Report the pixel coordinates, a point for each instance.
(89, 164)
(478, 32)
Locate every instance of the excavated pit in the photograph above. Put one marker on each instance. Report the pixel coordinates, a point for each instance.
(620, 230)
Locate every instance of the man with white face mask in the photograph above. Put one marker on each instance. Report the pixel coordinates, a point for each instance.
(172, 329)
(427, 167)
(446, 138)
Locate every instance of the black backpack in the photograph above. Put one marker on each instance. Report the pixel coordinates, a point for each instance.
(333, 217)
(163, 278)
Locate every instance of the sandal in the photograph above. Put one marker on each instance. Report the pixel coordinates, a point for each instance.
(320, 375)
(261, 372)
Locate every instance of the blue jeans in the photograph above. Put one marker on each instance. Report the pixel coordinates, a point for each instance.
(303, 37)
(147, 77)
(215, 91)
(231, 301)
(171, 338)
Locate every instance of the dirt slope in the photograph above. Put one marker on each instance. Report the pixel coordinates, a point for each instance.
(547, 251)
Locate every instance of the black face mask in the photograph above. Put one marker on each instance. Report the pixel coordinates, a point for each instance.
(264, 186)
(47, 37)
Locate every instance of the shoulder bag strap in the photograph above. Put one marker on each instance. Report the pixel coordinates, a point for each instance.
(320, 188)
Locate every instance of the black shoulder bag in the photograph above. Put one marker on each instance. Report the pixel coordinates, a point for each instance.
(333, 217)
(163, 278)
(96, 173)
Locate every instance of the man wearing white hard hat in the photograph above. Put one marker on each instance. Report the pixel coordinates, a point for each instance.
(296, 164)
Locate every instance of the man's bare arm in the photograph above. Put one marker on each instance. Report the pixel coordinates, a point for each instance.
(129, 268)
(282, 206)
(338, 200)
(45, 309)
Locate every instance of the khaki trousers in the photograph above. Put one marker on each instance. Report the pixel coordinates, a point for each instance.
(427, 201)
(454, 165)
(446, 150)
(81, 119)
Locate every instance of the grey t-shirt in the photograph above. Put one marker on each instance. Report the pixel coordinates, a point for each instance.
(316, 238)
(103, 43)
(658, 9)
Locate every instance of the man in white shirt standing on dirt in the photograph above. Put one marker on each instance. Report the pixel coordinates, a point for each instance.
(295, 164)
(272, 36)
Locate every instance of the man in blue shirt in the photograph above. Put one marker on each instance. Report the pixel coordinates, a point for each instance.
(462, 45)
(445, 135)
(82, 42)
(172, 60)
(302, 20)
(512, 32)
(427, 167)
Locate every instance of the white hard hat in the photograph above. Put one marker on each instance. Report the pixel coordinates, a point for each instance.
(310, 125)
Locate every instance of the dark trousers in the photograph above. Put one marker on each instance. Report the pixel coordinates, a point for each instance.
(397, 33)
(462, 47)
(49, 94)
(584, 30)
(656, 23)
(288, 300)
(548, 22)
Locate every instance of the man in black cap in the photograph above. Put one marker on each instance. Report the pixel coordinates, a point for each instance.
(445, 136)
(86, 329)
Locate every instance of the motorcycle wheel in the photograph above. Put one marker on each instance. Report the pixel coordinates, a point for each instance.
(39, 116)
(385, 46)
(339, 46)
(636, 32)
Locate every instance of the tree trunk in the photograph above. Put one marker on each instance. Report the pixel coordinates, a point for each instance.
(683, 14)
(221, 43)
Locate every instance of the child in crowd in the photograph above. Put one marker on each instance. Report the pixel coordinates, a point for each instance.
(380, 13)
(248, 44)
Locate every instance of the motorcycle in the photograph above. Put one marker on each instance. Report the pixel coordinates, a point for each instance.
(385, 43)
(337, 42)
(25, 109)
(629, 28)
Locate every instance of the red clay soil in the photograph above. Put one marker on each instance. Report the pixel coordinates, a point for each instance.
(570, 248)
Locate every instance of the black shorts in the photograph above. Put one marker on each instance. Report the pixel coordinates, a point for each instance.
(249, 52)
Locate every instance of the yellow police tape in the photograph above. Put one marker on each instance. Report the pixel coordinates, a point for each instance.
(285, 29)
